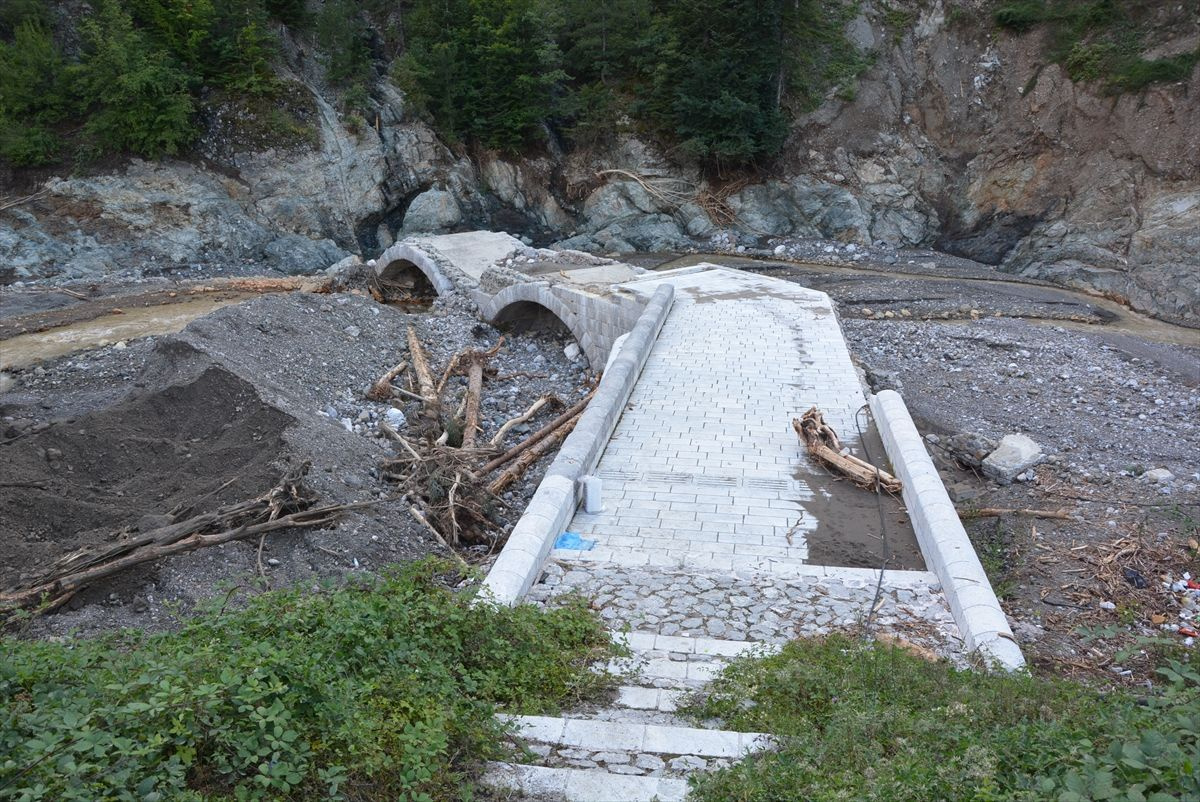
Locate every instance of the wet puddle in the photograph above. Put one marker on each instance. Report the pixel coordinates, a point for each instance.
(127, 324)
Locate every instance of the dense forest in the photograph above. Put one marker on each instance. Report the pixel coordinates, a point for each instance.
(718, 81)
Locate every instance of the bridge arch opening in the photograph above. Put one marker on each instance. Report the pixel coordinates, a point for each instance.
(533, 319)
(401, 281)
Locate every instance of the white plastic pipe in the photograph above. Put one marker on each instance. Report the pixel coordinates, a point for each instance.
(592, 487)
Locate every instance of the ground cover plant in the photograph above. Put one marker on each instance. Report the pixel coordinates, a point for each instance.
(1098, 41)
(383, 691)
(863, 721)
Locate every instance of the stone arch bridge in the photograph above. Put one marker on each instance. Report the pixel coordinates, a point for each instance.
(704, 529)
(514, 284)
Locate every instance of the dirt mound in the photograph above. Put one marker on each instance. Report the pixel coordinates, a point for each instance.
(100, 439)
(202, 443)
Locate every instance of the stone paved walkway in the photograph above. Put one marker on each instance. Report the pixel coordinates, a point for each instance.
(700, 552)
(704, 469)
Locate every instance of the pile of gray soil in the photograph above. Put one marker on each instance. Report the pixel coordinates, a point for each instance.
(118, 437)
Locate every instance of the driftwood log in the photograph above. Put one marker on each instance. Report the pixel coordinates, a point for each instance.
(531, 454)
(287, 505)
(498, 437)
(533, 439)
(420, 361)
(474, 391)
(823, 444)
(996, 512)
(452, 478)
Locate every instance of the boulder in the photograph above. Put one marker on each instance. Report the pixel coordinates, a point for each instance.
(1015, 455)
(297, 255)
(433, 211)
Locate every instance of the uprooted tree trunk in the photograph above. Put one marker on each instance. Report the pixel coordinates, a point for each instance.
(823, 444)
(287, 505)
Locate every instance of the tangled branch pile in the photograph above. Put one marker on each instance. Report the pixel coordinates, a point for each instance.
(288, 504)
(452, 480)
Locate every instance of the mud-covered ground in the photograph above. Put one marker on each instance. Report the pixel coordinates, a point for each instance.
(117, 437)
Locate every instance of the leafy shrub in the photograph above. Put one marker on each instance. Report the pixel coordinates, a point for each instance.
(595, 111)
(140, 97)
(15, 12)
(1097, 40)
(821, 58)
(1136, 74)
(1022, 15)
(34, 95)
(486, 70)
(871, 722)
(377, 692)
(1089, 62)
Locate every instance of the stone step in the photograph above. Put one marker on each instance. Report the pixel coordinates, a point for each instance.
(678, 662)
(618, 736)
(641, 642)
(638, 697)
(722, 564)
(748, 607)
(663, 672)
(581, 785)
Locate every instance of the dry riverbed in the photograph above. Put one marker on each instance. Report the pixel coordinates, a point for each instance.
(117, 435)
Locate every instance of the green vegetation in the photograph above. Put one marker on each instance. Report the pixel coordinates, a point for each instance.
(1097, 41)
(34, 95)
(367, 693)
(137, 80)
(716, 81)
(137, 94)
(871, 722)
(485, 70)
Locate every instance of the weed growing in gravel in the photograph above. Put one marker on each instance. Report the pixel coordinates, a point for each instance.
(380, 692)
(870, 722)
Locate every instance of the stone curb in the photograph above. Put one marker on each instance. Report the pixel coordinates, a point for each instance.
(557, 496)
(944, 542)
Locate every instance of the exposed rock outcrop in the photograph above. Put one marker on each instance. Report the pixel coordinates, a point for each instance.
(960, 136)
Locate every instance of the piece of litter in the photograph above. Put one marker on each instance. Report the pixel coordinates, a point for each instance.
(572, 540)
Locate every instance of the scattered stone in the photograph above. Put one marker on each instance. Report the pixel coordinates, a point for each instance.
(1158, 476)
(689, 763)
(969, 448)
(1015, 454)
(650, 762)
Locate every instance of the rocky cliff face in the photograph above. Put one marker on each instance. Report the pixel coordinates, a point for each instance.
(960, 137)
